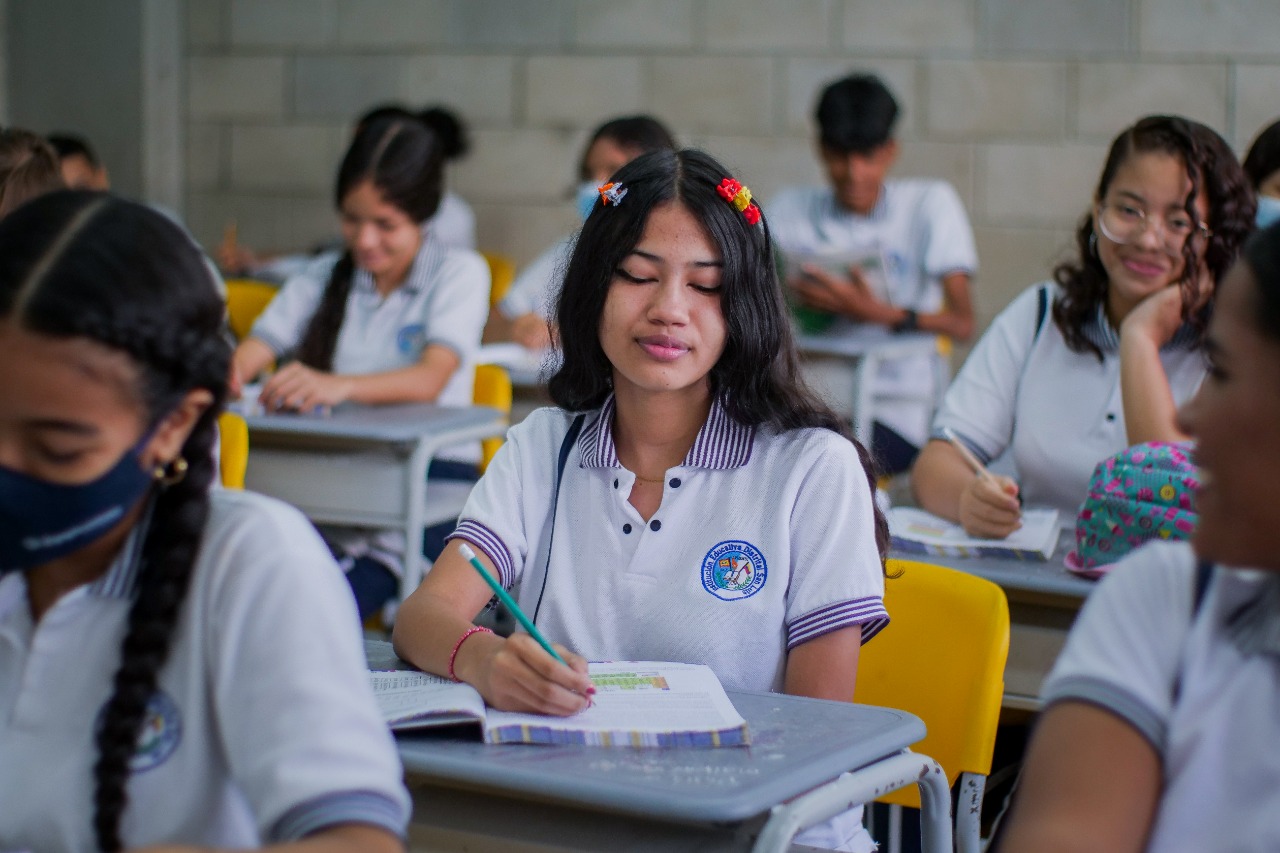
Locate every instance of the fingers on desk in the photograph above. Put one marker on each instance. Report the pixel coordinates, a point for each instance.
(529, 679)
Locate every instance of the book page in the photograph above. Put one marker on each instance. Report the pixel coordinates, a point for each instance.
(410, 699)
(636, 704)
(869, 261)
(914, 529)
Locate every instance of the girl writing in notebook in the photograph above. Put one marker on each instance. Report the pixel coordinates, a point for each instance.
(1077, 369)
(689, 500)
(1162, 710)
(395, 318)
(166, 648)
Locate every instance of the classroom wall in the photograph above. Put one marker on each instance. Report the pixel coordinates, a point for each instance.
(1013, 101)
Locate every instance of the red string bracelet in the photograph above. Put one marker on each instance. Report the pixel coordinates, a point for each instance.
(453, 655)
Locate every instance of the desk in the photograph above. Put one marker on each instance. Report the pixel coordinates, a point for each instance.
(1043, 601)
(472, 796)
(526, 367)
(864, 350)
(362, 465)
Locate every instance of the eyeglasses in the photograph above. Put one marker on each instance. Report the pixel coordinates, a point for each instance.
(1124, 223)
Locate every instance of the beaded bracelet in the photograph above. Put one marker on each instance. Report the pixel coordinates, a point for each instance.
(453, 655)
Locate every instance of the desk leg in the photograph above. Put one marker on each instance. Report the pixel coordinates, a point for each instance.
(416, 496)
(862, 786)
(863, 400)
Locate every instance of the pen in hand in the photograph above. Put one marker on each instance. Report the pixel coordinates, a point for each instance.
(973, 462)
(508, 601)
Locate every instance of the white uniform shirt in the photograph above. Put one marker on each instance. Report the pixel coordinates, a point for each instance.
(1133, 640)
(444, 300)
(1059, 411)
(920, 228)
(538, 285)
(264, 727)
(454, 223)
(763, 541)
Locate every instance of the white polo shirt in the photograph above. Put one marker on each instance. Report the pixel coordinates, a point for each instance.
(264, 728)
(1059, 411)
(538, 285)
(763, 541)
(444, 300)
(454, 222)
(1134, 639)
(920, 228)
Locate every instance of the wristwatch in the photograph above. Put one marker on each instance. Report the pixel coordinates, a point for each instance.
(909, 323)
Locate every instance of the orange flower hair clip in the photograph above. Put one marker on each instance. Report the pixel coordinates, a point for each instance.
(740, 197)
(611, 193)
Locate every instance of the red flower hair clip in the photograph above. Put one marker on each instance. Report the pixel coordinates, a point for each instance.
(740, 197)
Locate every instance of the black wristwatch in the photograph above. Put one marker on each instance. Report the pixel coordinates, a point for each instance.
(909, 323)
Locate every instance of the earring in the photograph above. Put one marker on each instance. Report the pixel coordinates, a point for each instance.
(171, 473)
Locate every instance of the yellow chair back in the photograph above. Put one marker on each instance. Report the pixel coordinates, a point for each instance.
(492, 388)
(246, 299)
(233, 449)
(502, 271)
(941, 658)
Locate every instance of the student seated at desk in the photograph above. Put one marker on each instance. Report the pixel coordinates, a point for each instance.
(709, 509)
(1077, 369)
(1163, 709)
(917, 228)
(530, 301)
(396, 318)
(178, 665)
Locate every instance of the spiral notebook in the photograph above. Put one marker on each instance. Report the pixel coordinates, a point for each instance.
(915, 531)
(637, 704)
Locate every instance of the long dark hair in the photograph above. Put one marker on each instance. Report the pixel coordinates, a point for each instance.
(1212, 167)
(757, 378)
(88, 265)
(1262, 255)
(403, 160)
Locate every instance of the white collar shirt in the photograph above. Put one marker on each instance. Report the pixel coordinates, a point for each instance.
(762, 541)
(263, 728)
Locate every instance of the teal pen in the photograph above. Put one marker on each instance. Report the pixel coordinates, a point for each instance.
(505, 598)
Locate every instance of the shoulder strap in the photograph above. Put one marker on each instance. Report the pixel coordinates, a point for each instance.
(1042, 310)
(545, 562)
(1203, 576)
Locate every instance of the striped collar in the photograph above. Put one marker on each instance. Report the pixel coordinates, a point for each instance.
(721, 443)
(1106, 337)
(1255, 627)
(421, 273)
(121, 578)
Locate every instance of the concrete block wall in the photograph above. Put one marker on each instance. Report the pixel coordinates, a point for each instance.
(1013, 101)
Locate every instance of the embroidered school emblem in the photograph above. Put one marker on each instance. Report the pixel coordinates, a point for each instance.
(160, 734)
(411, 339)
(733, 570)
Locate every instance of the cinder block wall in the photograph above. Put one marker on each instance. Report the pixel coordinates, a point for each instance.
(1013, 101)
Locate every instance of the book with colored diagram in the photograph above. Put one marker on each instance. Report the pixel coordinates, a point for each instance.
(637, 704)
(918, 532)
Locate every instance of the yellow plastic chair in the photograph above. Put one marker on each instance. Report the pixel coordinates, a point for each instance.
(233, 449)
(502, 271)
(246, 299)
(492, 388)
(942, 658)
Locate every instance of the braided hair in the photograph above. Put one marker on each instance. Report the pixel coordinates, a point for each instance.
(757, 377)
(1212, 168)
(403, 160)
(87, 265)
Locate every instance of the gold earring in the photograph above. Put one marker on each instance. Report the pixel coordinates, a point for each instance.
(170, 474)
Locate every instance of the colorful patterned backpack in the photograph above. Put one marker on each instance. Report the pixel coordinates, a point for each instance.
(1143, 493)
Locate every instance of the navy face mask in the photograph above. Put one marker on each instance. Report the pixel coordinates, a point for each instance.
(41, 521)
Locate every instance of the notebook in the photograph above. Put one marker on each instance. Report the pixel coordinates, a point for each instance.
(915, 531)
(869, 262)
(637, 704)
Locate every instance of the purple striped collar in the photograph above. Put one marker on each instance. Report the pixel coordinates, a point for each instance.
(722, 442)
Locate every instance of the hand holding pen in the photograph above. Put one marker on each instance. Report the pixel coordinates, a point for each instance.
(991, 504)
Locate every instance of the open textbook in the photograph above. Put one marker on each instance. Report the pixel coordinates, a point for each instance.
(919, 532)
(637, 704)
(868, 261)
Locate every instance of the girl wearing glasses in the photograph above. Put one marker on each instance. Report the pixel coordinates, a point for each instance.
(1077, 369)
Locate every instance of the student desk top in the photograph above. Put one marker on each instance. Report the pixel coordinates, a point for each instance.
(864, 350)
(473, 796)
(1043, 601)
(362, 465)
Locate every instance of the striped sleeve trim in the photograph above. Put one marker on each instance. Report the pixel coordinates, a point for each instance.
(366, 807)
(868, 612)
(274, 343)
(492, 545)
(983, 456)
(1106, 695)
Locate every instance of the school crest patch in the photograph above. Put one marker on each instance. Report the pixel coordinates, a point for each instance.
(160, 734)
(734, 570)
(412, 338)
